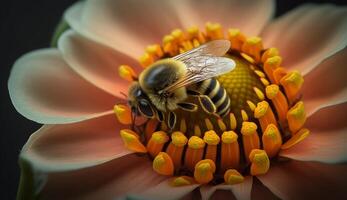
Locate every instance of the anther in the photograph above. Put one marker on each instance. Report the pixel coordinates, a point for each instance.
(271, 52)
(197, 130)
(131, 141)
(221, 125)
(259, 93)
(292, 83)
(123, 113)
(194, 152)
(236, 38)
(296, 117)
(295, 139)
(163, 164)
(156, 143)
(214, 31)
(146, 60)
(259, 73)
(270, 65)
(260, 162)
(204, 170)
(163, 126)
(155, 50)
(233, 122)
(272, 140)
(230, 151)
(264, 114)
(178, 35)
(196, 35)
(244, 115)
(251, 105)
(278, 74)
(279, 101)
(183, 126)
(127, 73)
(264, 81)
(151, 127)
(250, 137)
(176, 147)
(169, 46)
(182, 181)
(253, 47)
(212, 140)
(232, 177)
(208, 124)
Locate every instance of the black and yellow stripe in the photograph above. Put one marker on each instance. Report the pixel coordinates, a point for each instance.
(217, 94)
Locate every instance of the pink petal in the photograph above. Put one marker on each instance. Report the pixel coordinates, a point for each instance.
(326, 85)
(308, 35)
(248, 16)
(127, 26)
(43, 88)
(128, 176)
(56, 148)
(328, 139)
(306, 180)
(96, 63)
(241, 191)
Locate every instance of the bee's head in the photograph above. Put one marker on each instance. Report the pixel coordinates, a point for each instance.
(139, 102)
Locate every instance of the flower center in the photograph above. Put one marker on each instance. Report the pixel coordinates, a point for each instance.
(259, 102)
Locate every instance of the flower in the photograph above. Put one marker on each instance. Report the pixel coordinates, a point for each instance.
(79, 153)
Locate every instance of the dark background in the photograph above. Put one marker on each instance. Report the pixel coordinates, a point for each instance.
(24, 26)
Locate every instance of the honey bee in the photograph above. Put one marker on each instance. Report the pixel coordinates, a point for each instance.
(165, 85)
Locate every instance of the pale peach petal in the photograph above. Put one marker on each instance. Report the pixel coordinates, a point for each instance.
(96, 63)
(249, 16)
(326, 85)
(306, 180)
(125, 176)
(308, 35)
(45, 89)
(241, 191)
(328, 139)
(261, 192)
(127, 26)
(56, 148)
(222, 194)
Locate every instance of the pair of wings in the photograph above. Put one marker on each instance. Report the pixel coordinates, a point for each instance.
(202, 63)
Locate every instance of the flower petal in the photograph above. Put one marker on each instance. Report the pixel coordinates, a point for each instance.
(248, 16)
(127, 26)
(305, 38)
(306, 180)
(44, 89)
(96, 63)
(241, 191)
(328, 141)
(326, 85)
(55, 148)
(127, 175)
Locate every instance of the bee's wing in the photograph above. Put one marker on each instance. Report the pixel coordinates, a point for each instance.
(200, 68)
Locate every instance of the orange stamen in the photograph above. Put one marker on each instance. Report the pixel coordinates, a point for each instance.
(214, 31)
(250, 137)
(279, 100)
(272, 140)
(195, 152)
(163, 164)
(253, 47)
(232, 177)
(204, 170)
(123, 113)
(131, 141)
(182, 181)
(292, 83)
(212, 140)
(264, 114)
(230, 151)
(271, 52)
(236, 38)
(260, 162)
(176, 147)
(156, 143)
(298, 137)
(296, 117)
(271, 65)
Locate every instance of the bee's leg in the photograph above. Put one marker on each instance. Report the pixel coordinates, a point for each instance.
(171, 121)
(190, 107)
(207, 104)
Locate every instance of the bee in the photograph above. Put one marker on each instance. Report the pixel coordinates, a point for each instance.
(165, 85)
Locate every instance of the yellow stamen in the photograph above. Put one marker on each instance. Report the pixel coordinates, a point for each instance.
(194, 152)
(264, 81)
(197, 130)
(151, 126)
(146, 60)
(259, 93)
(253, 47)
(232, 176)
(259, 73)
(270, 65)
(250, 137)
(292, 83)
(123, 113)
(131, 141)
(272, 140)
(230, 151)
(249, 59)
(178, 35)
(264, 114)
(163, 164)
(279, 100)
(236, 38)
(221, 125)
(209, 124)
(176, 147)
(127, 73)
(244, 115)
(271, 52)
(296, 117)
(182, 181)
(260, 162)
(298, 137)
(278, 74)
(212, 140)
(156, 143)
(233, 122)
(183, 126)
(251, 105)
(155, 50)
(214, 31)
(204, 171)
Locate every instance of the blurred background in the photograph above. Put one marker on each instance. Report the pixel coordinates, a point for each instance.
(25, 26)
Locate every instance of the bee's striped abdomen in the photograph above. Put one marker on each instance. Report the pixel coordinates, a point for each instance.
(217, 94)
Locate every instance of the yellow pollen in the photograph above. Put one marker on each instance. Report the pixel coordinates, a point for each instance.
(123, 113)
(131, 141)
(232, 176)
(204, 171)
(178, 35)
(296, 117)
(271, 91)
(195, 142)
(248, 128)
(179, 139)
(160, 137)
(229, 137)
(272, 140)
(271, 52)
(182, 181)
(126, 73)
(259, 93)
(214, 31)
(211, 138)
(298, 137)
(163, 164)
(261, 109)
(260, 162)
(292, 83)
(146, 60)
